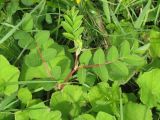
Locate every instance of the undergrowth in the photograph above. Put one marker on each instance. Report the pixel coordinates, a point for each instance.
(79, 60)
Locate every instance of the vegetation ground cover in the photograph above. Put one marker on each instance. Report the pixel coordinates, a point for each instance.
(79, 59)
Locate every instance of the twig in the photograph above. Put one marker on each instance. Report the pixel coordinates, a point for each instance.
(76, 68)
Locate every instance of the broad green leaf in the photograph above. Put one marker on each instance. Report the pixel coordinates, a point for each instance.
(112, 54)
(24, 95)
(104, 116)
(25, 40)
(60, 101)
(134, 111)
(125, 49)
(85, 117)
(81, 75)
(102, 97)
(101, 71)
(40, 72)
(48, 18)
(54, 115)
(8, 75)
(90, 79)
(74, 92)
(56, 72)
(134, 60)
(36, 110)
(118, 70)
(42, 36)
(28, 2)
(12, 7)
(21, 115)
(27, 25)
(49, 54)
(154, 43)
(63, 102)
(149, 87)
(33, 59)
(85, 57)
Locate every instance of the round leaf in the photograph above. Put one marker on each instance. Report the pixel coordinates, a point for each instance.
(49, 54)
(24, 95)
(33, 59)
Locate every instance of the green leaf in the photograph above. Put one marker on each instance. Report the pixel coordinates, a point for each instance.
(66, 102)
(139, 111)
(28, 2)
(24, 95)
(141, 50)
(154, 44)
(33, 59)
(35, 110)
(78, 32)
(8, 75)
(49, 54)
(135, 45)
(101, 71)
(60, 101)
(85, 57)
(102, 97)
(42, 36)
(74, 92)
(106, 10)
(21, 115)
(81, 75)
(54, 115)
(67, 27)
(113, 54)
(68, 19)
(125, 49)
(25, 40)
(56, 72)
(48, 18)
(134, 60)
(69, 36)
(27, 25)
(77, 22)
(104, 116)
(85, 117)
(118, 70)
(12, 7)
(141, 19)
(150, 87)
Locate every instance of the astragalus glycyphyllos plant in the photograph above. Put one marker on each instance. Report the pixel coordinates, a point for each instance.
(79, 60)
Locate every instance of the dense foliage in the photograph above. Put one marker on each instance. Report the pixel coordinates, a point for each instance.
(79, 59)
